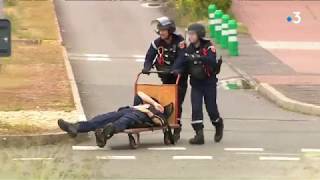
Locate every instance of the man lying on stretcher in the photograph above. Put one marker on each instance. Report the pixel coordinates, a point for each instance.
(146, 111)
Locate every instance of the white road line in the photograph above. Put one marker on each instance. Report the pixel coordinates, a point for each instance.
(139, 56)
(306, 150)
(192, 157)
(116, 157)
(88, 148)
(278, 158)
(244, 149)
(31, 159)
(139, 60)
(88, 55)
(291, 45)
(167, 148)
(258, 153)
(91, 59)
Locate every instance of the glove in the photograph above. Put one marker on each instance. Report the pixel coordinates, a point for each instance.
(145, 71)
(219, 63)
(193, 57)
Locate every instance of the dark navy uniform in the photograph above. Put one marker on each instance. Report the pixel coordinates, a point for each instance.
(162, 56)
(200, 62)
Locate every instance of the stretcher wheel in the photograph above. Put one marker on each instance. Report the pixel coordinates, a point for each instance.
(166, 138)
(134, 142)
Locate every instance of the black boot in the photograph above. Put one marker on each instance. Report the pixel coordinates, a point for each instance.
(219, 129)
(102, 135)
(198, 138)
(176, 134)
(70, 128)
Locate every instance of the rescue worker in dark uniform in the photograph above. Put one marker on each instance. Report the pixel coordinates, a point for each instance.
(149, 112)
(199, 59)
(162, 54)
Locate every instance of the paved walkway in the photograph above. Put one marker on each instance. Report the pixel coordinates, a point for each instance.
(279, 53)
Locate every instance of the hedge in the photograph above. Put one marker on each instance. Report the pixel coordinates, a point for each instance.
(194, 10)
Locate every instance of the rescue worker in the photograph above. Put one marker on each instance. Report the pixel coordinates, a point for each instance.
(162, 54)
(199, 59)
(149, 113)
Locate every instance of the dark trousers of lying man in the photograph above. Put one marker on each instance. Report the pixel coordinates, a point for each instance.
(146, 111)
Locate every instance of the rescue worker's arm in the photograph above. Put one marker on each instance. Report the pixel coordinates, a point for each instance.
(150, 56)
(180, 63)
(149, 100)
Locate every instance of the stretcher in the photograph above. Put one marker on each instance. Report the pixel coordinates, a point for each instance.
(165, 94)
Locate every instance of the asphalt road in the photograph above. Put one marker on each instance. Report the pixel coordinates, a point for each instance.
(106, 40)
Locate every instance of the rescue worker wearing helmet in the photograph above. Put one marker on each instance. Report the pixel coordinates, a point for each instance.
(162, 54)
(199, 60)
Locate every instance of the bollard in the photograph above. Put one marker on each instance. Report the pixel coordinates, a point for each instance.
(211, 10)
(217, 23)
(224, 31)
(232, 39)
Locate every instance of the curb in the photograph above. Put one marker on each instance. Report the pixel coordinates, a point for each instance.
(277, 97)
(59, 137)
(74, 87)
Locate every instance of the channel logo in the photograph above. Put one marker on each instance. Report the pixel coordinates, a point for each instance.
(295, 18)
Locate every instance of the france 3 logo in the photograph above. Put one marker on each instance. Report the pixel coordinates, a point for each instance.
(295, 18)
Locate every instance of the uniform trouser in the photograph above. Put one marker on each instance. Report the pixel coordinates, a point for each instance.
(121, 120)
(182, 89)
(207, 93)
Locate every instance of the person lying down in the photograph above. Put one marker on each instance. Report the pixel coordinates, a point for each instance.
(147, 111)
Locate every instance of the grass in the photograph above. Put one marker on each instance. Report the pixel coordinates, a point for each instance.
(11, 129)
(32, 19)
(34, 77)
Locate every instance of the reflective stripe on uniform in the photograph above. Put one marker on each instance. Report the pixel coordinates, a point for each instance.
(154, 45)
(211, 15)
(218, 28)
(197, 122)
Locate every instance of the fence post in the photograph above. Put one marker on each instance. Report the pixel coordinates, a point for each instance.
(232, 39)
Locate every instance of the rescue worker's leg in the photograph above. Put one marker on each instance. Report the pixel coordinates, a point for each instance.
(182, 89)
(197, 115)
(210, 99)
(90, 125)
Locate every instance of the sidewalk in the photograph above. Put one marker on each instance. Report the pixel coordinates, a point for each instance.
(280, 58)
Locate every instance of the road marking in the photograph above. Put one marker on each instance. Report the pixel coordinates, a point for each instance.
(291, 45)
(139, 60)
(31, 159)
(88, 148)
(309, 150)
(244, 149)
(258, 153)
(139, 56)
(167, 148)
(192, 157)
(278, 158)
(116, 157)
(89, 57)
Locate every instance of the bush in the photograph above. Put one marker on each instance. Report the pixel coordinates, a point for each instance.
(194, 10)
